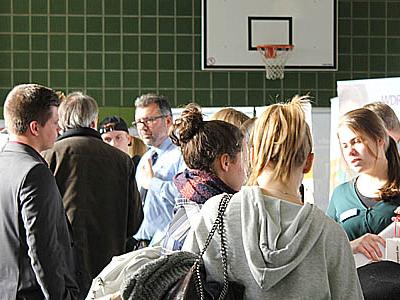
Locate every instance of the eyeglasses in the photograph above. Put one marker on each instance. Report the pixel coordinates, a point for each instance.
(147, 121)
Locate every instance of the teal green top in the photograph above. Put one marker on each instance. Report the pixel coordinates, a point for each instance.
(357, 219)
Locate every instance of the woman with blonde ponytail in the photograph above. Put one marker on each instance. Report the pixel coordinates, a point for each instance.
(278, 247)
(365, 204)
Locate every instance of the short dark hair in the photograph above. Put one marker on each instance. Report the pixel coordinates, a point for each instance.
(26, 103)
(201, 141)
(161, 101)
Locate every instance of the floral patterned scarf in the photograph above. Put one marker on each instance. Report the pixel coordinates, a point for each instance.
(199, 186)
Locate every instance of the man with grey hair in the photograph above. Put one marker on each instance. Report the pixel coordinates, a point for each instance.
(388, 116)
(36, 260)
(97, 184)
(157, 167)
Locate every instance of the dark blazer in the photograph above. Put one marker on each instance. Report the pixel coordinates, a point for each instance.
(100, 197)
(36, 258)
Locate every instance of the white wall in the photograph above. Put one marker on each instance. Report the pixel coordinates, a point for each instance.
(321, 135)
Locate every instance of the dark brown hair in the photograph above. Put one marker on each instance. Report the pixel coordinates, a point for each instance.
(26, 103)
(365, 122)
(202, 141)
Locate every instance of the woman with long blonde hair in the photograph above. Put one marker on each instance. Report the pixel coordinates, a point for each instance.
(278, 247)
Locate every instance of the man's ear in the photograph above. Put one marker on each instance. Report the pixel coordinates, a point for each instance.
(129, 139)
(168, 120)
(93, 124)
(309, 163)
(34, 128)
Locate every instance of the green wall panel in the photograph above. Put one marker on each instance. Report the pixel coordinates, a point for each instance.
(116, 50)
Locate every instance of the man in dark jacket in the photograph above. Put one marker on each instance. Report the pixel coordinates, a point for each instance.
(97, 185)
(36, 260)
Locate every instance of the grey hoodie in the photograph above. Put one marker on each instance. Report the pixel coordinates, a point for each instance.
(277, 249)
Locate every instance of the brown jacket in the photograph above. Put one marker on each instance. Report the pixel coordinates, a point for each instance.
(100, 197)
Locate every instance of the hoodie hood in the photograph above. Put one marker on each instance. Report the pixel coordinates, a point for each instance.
(285, 233)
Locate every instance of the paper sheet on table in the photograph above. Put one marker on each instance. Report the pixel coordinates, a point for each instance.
(361, 259)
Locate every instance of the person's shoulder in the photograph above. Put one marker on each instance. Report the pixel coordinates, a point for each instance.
(386, 206)
(213, 202)
(27, 160)
(70, 142)
(76, 136)
(38, 173)
(329, 225)
(332, 235)
(344, 187)
(31, 168)
(210, 208)
(247, 195)
(173, 149)
(73, 145)
(173, 155)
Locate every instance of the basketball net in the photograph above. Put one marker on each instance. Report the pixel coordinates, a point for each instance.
(275, 58)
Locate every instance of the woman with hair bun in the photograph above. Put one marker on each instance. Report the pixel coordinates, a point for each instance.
(213, 153)
(278, 247)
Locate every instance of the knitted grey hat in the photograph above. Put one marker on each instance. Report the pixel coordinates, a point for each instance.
(155, 278)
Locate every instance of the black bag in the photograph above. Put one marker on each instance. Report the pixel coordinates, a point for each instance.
(187, 288)
(380, 280)
(181, 275)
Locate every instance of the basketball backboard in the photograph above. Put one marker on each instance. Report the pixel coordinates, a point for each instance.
(231, 30)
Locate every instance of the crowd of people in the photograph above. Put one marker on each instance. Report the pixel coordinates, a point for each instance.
(75, 192)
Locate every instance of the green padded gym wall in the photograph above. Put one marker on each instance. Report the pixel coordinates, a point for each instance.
(115, 50)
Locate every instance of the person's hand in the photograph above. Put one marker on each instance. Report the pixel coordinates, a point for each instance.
(368, 244)
(147, 173)
(397, 212)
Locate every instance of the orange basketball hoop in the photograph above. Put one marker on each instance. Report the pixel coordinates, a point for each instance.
(275, 58)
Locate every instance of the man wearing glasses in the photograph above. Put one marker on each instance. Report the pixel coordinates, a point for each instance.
(157, 167)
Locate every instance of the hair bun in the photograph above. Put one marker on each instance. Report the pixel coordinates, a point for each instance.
(187, 125)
